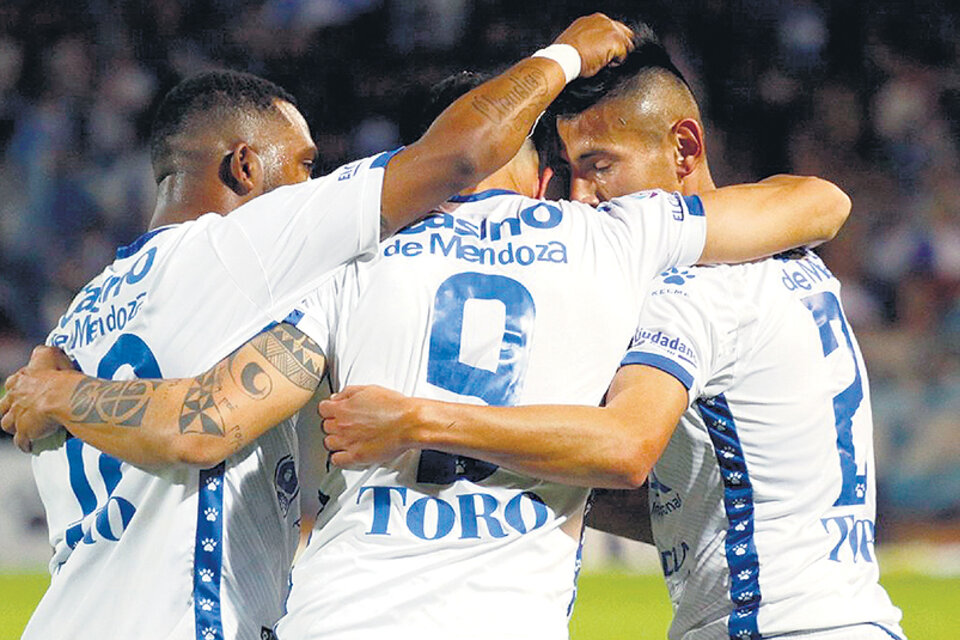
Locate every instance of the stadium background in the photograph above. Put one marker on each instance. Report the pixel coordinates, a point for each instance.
(865, 94)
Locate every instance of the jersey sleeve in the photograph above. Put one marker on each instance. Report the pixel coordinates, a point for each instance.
(666, 229)
(283, 244)
(685, 331)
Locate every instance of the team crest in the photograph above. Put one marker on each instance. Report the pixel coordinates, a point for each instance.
(286, 482)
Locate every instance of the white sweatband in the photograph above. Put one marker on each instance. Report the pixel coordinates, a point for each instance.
(566, 56)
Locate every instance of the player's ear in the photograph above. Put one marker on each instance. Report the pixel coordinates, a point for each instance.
(545, 176)
(242, 170)
(689, 150)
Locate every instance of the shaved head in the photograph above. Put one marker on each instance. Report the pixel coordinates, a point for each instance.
(631, 127)
(206, 113)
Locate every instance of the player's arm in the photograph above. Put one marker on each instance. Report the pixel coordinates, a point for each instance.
(613, 446)
(750, 221)
(154, 423)
(484, 129)
(622, 512)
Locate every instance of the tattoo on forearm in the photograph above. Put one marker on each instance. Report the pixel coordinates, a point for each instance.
(199, 413)
(291, 352)
(502, 108)
(120, 403)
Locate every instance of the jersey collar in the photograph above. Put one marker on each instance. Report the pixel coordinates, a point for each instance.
(130, 249)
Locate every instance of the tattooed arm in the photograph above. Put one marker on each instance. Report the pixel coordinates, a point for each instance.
(196, 421)
(484, 129)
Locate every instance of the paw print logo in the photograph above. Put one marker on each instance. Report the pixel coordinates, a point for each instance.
(208, 633)
(211, 514)
(213, 484)
(734, 477)
(206, 575)
(741, 526)
(743, 635)
(676, 276)
(744, 575)
(740, 550)
(861, 489)
(739, 504)
(728, 453)
(206, 604)
(743, 614)
(208, 544)
(745, 596)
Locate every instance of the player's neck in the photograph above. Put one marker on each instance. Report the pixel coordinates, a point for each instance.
(508, 178)
(698, 181)
(181, 198)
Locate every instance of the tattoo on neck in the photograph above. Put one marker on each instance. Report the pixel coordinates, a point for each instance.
(122, 403)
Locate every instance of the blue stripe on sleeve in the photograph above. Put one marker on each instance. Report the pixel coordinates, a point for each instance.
(694, 205)
(382, 159)
(660, 362)
(294, 317)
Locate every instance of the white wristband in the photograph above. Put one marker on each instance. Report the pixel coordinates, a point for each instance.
(566, 56)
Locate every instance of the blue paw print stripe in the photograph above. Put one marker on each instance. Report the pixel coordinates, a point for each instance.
(208, 555)
(741, 552)
(676, 276)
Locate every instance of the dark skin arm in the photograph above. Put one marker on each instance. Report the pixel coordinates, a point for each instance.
(484, 129)
(154, 423)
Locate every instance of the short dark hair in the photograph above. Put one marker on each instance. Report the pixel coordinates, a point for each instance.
(445, 93)
(448, 90)
(613, 81)
(215, 95)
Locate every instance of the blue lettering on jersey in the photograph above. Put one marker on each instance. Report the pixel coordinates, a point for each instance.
(478, 514)
(671, 560)
(858, 534)
(804, 273)
(92, 318)
(675, 346)
(661, 502)
(542, 215)
(348, 171)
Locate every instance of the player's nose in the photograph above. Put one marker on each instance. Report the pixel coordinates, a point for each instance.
(584, 191)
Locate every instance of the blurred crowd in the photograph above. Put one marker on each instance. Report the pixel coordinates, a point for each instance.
(864, 94)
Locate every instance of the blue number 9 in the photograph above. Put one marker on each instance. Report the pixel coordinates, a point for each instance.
(447, 371)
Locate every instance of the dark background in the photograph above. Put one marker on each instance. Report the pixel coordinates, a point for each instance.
(864, 94)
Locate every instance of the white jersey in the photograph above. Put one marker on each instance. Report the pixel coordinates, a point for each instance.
(183, 553)
(763, 502)
(498, 299)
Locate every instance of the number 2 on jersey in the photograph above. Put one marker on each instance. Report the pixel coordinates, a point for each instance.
(826, 308)
(446, 370)
(113, 517)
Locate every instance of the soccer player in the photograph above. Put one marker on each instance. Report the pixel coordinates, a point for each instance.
(492, 299)
(177, 552)
(743, 396)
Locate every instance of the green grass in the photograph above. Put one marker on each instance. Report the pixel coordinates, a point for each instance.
(620, 606)
(21, 592)
(610, 606)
